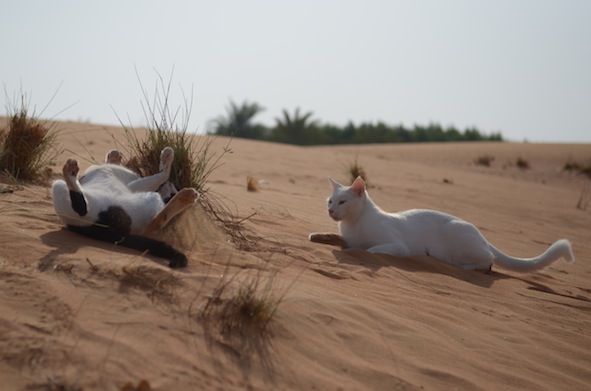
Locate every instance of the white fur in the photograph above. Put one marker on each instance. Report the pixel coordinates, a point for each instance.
(418, 232)
(113, 185)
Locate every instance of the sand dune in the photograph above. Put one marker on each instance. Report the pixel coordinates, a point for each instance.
(83, 315)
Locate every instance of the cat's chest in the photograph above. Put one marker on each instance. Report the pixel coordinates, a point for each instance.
(369, 232)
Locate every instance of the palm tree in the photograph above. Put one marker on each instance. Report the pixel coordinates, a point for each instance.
(297, 130)
(238, 121)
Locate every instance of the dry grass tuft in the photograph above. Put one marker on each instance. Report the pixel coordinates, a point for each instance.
(27, 145)
(522, 163)
(355, 170)
(157, 284)
(580, 168)
(242, 307)
(484, 160)
(194, 160)
(54, 384)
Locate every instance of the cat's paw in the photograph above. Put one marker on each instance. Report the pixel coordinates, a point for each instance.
(188, 195)
(166, 158)
(328, 238)
(113, 157)
(71, 168)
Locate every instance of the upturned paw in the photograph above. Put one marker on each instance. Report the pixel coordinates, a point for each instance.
(71, 168)
(188, 195)
(166, 157)
(113, 157)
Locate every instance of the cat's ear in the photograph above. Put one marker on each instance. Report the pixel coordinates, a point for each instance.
(335, 185)
(358, 186)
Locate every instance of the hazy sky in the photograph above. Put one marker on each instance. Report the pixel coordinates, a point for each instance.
(522, 67)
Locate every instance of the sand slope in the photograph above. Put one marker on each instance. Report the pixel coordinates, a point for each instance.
(81, 314)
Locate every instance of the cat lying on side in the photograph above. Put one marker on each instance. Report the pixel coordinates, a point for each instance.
(421, 232)
(114, 204)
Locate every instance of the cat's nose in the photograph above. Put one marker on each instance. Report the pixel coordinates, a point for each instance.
(330, 212)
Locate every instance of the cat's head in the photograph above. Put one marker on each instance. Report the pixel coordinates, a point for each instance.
(346, 202)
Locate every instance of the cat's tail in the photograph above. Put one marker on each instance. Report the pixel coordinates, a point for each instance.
(560, 249)
(137, 242)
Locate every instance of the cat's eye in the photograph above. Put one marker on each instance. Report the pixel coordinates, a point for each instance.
(329, 202)
(341, 202)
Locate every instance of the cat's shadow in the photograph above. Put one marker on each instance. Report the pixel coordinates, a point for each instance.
(66, 242)
(375, 262)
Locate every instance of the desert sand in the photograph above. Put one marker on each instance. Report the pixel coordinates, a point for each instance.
(78, 314)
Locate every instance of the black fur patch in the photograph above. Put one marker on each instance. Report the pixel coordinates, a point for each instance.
(78, 203)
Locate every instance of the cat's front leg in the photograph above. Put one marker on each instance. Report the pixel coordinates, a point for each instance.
(328, 238)
(395, 249)
(153, 182)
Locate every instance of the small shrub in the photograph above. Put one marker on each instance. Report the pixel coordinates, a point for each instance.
(522, 163)
(194, 160)
(27, 145)
(580, 168)
(244, 310)
(484, 160)
(355, 170)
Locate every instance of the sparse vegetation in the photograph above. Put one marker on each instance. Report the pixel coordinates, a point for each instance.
(27, 144)
(355, 169)
(194, 160)
(522, 163)
(484, 160)
(249, 308)
(580, 168)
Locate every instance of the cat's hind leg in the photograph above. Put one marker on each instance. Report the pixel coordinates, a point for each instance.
(397, 249)
(153, 182)
(181, 201)
(473, 253)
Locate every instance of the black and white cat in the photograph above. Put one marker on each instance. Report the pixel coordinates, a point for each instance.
(364, 225)
(114, 204)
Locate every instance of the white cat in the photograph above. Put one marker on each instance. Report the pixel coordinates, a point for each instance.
(422, 232)
(114, 204)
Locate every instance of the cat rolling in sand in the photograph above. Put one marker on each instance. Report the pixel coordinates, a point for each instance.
(364, 225)
(114, 204)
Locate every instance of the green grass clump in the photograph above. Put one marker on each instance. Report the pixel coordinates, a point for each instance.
(194, 160)
(27, 144)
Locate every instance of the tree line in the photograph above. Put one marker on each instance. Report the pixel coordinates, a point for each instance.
(301, 129)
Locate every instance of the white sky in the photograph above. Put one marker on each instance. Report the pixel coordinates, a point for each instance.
(522, 67)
